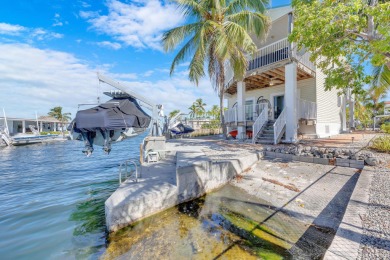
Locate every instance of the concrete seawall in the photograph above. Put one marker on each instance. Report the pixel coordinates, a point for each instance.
(186, 176)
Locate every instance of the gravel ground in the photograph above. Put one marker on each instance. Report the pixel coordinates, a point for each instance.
(375, 243)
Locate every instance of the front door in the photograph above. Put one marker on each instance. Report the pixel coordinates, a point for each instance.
(249, 110)
(278, 105)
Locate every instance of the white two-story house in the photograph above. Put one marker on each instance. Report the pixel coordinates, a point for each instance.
(282, 95)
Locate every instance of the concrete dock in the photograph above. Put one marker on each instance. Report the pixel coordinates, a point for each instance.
(186, 173)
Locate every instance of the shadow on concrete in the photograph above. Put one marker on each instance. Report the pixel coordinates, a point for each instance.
(318, 237)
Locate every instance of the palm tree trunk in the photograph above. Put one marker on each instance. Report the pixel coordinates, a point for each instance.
(221, 84)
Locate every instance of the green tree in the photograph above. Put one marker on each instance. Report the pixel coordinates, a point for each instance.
(174, 113)
(218, 34)
(56, 112)
(193, 111)
(200, 107)
(343, 37)
(214, 112)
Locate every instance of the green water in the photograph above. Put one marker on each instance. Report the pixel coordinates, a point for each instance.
(227, 224)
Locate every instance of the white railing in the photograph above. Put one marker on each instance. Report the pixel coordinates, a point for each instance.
(231, 115)
(307, 109)
(279, 125)
(261, 120)
(127, 172)
(303, 59)
(270, 54)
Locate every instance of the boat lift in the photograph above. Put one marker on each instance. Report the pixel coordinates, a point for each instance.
(157, 109)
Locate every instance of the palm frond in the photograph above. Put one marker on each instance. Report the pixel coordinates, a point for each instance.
(240, 5)
(381, 75)
(192, 8)
(256, 23)
(176, 35)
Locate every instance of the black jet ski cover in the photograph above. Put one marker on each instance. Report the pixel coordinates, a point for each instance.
(117, 113)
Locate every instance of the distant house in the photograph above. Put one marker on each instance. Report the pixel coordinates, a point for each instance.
(282, 95)
(22, 125)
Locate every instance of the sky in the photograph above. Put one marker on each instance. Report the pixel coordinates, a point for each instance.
(51, 50)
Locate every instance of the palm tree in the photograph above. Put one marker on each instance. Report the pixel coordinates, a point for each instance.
(56, 112)
(218, 34)
(174, 113)
(214, 112)
(381, 77)
(193, 111)
(200, 107)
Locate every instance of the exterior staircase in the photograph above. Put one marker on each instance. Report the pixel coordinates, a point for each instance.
(266, 135)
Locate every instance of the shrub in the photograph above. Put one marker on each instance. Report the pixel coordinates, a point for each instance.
(386, 128)
(381, 144)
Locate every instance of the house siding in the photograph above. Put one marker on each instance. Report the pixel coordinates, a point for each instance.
(328, 111)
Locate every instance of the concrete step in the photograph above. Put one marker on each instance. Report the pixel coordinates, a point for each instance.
(267, 135)
(265, 141)
(268, 131)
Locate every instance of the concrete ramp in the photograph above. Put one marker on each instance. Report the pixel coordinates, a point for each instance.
(185, 177)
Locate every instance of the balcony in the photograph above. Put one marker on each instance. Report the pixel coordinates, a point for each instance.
(266, 67)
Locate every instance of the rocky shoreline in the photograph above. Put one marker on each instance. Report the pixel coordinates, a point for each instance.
(327, 153)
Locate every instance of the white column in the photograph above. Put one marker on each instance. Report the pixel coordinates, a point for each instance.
(55, 127)
(40, 126)
(351, 111)
(23, 127)
(344, 113)
(241, 108)
(290, 97)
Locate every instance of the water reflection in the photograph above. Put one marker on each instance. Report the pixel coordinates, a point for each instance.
(221, 224)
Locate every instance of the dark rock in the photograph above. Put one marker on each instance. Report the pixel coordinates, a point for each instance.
(372, 161)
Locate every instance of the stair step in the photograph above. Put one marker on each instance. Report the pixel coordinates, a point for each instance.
(264, 141)
(267, 135)
(268, 131)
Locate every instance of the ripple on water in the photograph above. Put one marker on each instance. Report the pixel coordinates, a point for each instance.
(52, 198)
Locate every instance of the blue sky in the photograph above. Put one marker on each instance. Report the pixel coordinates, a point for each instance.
(50, 51)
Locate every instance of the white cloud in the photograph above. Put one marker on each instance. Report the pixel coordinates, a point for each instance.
(42, 34)
(11, 29)
(148, 73)
(57, 20)
(110, 45)
(35, 79)
(139, 24)
(123, 76)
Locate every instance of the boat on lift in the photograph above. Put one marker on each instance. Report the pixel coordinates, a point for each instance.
(120, 118)
(177, 127)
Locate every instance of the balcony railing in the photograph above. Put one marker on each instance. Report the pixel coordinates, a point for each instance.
(307, 109)
(251, 112)
(271, 54)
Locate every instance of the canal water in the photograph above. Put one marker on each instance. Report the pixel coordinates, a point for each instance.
(52, 199)
(52, 207)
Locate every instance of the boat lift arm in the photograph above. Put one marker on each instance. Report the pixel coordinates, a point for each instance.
(157, 109)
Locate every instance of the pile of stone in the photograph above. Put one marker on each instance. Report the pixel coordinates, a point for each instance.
(327, 153)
